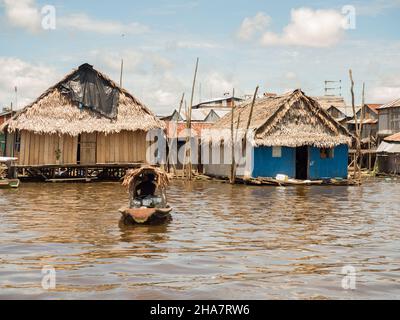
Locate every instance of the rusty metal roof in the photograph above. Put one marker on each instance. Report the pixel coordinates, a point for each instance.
(393, 138)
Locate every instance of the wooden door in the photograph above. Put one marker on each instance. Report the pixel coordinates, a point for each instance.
(88, 146)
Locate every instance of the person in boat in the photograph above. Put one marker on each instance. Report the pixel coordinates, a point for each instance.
(147, 187)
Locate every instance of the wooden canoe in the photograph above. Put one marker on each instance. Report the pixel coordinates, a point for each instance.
(145, 215)
(9, 183)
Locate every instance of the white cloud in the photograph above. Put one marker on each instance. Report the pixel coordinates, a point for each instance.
(192, 45)
(31, 80)
(309, 28)
(26, 14)
(83, 22)
(147, 75)
(23, 14)
(217, 83)
(135, 61)
(250, 26)
(383, 94)
(165, 98)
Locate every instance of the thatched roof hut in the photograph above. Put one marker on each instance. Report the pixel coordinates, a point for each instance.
(54, 112)
(289, 120)
(84, 119)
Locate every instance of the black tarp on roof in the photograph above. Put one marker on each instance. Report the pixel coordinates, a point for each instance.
(91, 91)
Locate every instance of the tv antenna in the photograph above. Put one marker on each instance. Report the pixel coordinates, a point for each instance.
(332, 87)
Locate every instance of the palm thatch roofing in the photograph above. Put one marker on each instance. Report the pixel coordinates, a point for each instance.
(290, 120)
(134, 176)
(54, 112)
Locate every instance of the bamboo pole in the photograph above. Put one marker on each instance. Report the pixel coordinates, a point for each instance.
(189, 122)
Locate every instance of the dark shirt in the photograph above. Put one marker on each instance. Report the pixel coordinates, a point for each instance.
(146, 188)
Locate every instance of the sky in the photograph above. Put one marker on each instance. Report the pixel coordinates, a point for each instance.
(278, 45)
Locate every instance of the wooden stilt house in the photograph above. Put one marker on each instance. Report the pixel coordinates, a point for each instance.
(85, 119)
(292, 135)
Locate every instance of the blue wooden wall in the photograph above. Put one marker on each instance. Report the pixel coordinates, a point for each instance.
(267, 166)
(335, 167)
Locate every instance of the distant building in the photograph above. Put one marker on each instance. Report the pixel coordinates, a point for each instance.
(389, 119)
(389, 155)
(336, 107)
(225, 102)
(370, 117)
(292, 136)
(5, 115)
(202, 118)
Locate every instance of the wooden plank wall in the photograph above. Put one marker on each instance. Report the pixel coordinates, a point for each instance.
(124, 147)
(39, 149)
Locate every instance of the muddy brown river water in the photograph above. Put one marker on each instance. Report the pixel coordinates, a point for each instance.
(225, 242)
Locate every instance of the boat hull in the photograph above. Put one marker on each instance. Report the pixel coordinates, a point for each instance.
(9, 183)
(146, 216)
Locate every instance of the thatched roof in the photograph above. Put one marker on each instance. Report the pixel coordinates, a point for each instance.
(55, 113)
(133, 176)
(290, 120)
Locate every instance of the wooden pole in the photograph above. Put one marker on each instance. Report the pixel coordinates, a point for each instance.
(358, 142)
(175, 135)
(184, 160)
(122, 71)
(251, 110)
(362, 116)
(232, 179)
(189, 122)
(369, 153)
(249, 119)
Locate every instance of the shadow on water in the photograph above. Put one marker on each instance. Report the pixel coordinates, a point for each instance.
(153, 233)
(230, 242)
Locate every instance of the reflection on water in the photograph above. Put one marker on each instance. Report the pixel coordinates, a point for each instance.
(225, 242)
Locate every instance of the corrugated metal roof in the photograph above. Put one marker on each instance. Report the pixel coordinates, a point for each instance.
(6, 113)
(330, 101)
(386, 147)
(393, 104)
(222, 112)
(216, 100)
(366, 121)
(374, 107)
(202, 114)
(346, 110)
